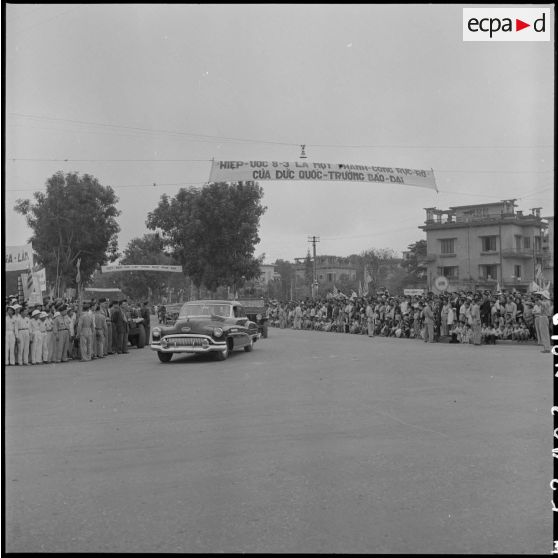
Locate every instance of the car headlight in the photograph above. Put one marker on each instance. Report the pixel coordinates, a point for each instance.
(217, 332)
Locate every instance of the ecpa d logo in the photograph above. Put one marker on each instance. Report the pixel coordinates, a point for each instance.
(507, 24)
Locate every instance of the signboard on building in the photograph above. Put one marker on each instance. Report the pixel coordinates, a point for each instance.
(246, 171)
(18, 257)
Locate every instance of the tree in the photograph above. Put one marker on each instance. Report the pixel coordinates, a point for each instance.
(212, 232)
(286, 271)
(378, 262)
(413, 263)
(149, 250)
(75, 218)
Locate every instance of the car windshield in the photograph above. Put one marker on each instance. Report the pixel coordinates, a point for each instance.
(205, 309)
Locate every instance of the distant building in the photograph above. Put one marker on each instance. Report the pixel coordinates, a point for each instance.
(267, 274)
(329, 270)
(481, 246)
(548, 249)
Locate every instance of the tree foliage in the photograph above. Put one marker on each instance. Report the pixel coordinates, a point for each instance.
(149, 250)
(413, 264)
(378, 263)
(212, 232)
(74, 218)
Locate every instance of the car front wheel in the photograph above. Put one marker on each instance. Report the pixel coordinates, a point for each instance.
(164, 357)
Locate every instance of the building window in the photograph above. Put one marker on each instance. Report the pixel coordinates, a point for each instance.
(450, 272)
(321, 277)
(488, 243)
(448, 245)
(517, 243)
(537, 242)
(331, 277)
(489, 272)
(527, 242)
(517, 271)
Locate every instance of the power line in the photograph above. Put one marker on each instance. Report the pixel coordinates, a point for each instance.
(269, 142)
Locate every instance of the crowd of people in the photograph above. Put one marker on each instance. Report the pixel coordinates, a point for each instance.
(63, 330)
(481, 317)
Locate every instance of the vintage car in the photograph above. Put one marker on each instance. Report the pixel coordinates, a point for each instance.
(257, 312)
(206, 326)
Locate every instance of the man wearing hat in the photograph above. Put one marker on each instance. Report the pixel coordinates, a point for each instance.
(107, 346)
(541, 321)
(428, 316)
(36, 343)
(144, 313)
(61, 331)
(10, 325)
(23, 337)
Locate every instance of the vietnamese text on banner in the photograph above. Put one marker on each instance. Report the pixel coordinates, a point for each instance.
(244, 171)
(167, 268)
(18, 257)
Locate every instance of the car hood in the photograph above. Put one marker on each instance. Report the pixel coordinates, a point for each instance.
(202, 324)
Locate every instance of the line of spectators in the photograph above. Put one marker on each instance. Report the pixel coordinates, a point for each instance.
(61, 331)
(462, 317)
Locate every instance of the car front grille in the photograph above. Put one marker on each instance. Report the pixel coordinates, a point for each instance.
(185, 342)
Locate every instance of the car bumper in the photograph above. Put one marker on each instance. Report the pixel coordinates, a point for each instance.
(189, 344)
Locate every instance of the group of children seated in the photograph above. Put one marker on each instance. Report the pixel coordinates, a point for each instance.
(463, 333)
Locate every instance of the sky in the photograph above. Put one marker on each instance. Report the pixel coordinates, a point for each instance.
(143, 96)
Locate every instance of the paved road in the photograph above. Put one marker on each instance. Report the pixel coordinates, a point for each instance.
(314, 442)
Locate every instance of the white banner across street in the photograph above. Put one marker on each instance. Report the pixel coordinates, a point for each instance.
(166, 268)
(244, 171)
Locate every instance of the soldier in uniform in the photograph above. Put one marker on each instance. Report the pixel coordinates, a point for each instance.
(49, 345)
(36, 345)
(100, 332)
(23, 337)
(61, 331)
(10, 325)
(85, 331)
(107, 346)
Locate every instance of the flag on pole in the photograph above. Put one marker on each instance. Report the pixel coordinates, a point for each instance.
(335, 291)
(360, 291)
(78, 274)
(539, 274)
(498, 287)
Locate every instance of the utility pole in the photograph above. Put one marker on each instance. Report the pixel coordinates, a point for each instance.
(313, 240)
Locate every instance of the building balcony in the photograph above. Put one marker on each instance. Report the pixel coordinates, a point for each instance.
(517, 254)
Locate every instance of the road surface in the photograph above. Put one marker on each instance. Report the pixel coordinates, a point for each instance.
(313, 443)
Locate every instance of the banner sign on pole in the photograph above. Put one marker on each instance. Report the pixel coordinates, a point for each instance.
(413, 292)
(167, 268)
(41, 275)
(244, 171)
(18, 257)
